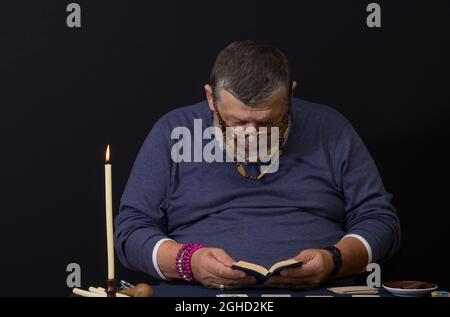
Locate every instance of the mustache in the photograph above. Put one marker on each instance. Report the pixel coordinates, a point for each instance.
(253, 149)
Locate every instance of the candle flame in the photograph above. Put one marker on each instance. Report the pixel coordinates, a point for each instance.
(107, 154)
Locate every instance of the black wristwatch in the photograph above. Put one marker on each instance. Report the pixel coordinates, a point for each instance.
(337, 259)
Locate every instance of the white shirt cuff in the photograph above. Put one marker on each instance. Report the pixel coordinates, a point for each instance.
(366, 244)
(154, 257)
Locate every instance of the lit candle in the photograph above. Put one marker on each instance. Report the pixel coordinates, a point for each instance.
(109, 222)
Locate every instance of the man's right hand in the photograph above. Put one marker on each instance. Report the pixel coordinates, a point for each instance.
(212, 268)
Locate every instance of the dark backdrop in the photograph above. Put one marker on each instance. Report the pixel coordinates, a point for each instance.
(66, 93)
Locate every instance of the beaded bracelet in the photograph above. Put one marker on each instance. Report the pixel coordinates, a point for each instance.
(183, 261)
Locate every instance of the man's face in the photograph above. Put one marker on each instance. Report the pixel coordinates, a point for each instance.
(246, 121)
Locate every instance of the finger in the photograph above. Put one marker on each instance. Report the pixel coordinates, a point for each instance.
(219, 270)
(305, 271)
(306, 256)
(226, 287)
(236, 286)
(297, 286)
(300, 273)
(222, 256)
(232, 283)
(291, 283)
(210, 285)
(281, 280)
(249, 280)
(222, 284)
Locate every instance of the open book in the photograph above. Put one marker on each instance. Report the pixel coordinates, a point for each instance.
(261, 273)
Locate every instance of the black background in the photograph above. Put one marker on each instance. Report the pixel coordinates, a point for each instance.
(66, 93)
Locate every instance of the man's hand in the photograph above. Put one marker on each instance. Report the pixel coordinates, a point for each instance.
(316, 268)
(212, 268)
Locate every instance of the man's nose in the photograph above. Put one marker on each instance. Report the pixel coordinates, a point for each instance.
(247, 134)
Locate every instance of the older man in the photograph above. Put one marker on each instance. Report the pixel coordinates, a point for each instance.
(325, 205)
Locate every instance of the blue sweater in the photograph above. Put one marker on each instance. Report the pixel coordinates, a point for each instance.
(327, 186)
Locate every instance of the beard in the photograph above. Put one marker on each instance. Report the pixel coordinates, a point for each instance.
(240, 149)
(253, 149)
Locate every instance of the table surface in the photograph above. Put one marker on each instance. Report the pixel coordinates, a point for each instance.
(166, 289)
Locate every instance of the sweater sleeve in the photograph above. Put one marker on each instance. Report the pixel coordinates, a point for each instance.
(142, 220)
(369, 212)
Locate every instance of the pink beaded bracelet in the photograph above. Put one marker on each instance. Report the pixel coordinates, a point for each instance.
(183, 261)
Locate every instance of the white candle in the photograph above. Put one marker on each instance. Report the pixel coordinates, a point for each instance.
(83, 293)
(109, 216)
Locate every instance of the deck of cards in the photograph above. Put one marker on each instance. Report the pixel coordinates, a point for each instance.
(354, 290)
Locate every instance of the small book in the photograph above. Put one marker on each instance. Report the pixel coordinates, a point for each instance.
(261, 273)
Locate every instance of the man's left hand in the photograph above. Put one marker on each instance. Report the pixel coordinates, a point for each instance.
(316, 269)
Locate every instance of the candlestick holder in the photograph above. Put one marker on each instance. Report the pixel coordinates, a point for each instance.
(111, 288)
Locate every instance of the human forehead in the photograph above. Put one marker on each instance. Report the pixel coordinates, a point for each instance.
(270, 109)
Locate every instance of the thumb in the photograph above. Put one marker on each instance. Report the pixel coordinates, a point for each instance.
(305, 256)
(223, 257)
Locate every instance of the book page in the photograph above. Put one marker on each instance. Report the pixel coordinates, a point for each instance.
(281, 264)
(254, 267)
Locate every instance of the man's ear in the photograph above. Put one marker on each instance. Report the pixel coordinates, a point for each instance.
(294, 85)
(209, 96)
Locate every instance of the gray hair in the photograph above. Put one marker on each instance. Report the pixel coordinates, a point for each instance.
(251, 72)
